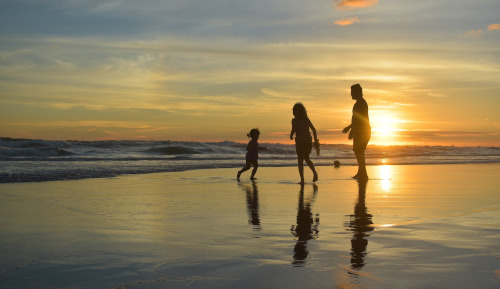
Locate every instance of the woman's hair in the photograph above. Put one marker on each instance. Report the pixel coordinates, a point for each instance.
(253, 133)
(299, 110)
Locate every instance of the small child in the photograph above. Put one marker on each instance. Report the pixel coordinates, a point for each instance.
(252, 154)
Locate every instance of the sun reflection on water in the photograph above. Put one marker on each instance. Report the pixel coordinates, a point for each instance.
(385, 175)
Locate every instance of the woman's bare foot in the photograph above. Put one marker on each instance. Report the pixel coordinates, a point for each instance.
(315, 178)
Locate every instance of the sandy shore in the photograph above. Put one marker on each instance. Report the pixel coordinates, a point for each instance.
(428, 226)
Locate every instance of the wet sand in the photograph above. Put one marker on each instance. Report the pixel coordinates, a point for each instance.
(421, 226)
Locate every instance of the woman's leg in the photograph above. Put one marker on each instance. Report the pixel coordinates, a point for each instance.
(300, 159)
(311, 166)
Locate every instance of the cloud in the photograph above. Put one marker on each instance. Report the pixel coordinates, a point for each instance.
(346, 21)
(477, 33)
(495, 26)
(473, 33)
(353, 4)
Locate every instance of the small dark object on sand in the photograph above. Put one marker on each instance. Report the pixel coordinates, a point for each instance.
(336, 164)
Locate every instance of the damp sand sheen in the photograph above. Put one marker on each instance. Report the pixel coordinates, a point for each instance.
(409, 226)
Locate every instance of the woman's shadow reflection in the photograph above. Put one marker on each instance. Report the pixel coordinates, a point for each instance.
(252, 194)
(307, 226)
(360, 223)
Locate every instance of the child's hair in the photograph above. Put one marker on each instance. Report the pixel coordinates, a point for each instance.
(299, 110)
(254, 133)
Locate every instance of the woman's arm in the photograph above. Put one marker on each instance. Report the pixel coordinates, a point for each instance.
(314, 131)
(292, 132)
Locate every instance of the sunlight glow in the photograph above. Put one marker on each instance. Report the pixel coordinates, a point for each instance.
(385, 127)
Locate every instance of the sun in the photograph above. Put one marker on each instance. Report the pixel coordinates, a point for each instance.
(385, 127)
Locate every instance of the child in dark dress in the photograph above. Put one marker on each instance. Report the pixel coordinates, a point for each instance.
(252, 154)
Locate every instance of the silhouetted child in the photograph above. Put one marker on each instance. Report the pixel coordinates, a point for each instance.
(252, 154)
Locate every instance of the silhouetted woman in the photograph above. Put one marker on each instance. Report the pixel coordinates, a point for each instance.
(303, 141)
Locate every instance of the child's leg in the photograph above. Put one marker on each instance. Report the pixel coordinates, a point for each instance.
(255, 167)
(245, 168)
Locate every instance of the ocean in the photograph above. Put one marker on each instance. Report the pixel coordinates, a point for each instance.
(37, 160)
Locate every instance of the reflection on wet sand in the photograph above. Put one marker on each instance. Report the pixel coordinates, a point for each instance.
(252, 193)
(360, 224)
(306, 228)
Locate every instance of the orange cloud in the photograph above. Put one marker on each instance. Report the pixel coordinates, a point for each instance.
(495, 26)
(347, 21)
(352, 4)
(473, 33)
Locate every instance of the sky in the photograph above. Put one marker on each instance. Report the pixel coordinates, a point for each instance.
(212, 70)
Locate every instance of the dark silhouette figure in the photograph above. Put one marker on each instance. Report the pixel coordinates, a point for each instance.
(306, 228)
(360, 224)
(303, 140)
(252, 194)
(360, 130)
(252, 154)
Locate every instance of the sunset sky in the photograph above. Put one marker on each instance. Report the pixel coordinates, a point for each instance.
(212, 70)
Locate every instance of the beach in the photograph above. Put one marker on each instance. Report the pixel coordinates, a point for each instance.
(409, 226)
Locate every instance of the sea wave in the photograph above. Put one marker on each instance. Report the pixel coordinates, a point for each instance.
(34, 152)
(24, 160)
(173, 150)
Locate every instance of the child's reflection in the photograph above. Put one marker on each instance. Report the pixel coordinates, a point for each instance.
(252, 193)
(360, 223)
(306, 228)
